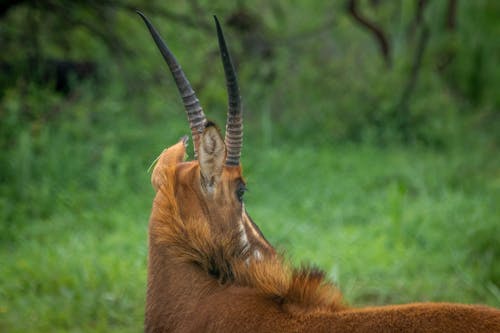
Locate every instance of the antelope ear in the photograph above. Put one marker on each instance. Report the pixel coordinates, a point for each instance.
(211, 156)
(168, 158)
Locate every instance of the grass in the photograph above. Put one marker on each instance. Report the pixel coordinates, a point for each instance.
(389, 225)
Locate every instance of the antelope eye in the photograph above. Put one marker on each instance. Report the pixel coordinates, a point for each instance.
(240, 191)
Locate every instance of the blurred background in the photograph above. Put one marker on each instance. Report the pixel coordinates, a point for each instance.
(371, 146)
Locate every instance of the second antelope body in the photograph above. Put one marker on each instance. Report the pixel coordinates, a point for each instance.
(210, 269)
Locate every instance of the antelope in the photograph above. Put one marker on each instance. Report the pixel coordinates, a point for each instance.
(210, 268)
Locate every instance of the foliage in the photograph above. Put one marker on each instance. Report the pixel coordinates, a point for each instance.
(328, 66)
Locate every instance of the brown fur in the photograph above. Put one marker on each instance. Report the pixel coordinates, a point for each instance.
(221, 256)
(203, 278)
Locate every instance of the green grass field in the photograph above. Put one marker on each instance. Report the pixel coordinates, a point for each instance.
(382, 168)
(389, 225)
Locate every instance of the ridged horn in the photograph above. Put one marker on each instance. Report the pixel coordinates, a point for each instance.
(234, 124)
(196, 117)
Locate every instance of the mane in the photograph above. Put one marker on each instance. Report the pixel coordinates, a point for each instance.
(222, 257)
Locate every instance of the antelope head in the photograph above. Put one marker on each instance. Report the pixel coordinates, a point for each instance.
(207, 192)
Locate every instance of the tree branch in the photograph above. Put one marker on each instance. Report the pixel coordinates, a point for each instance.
(377, 32)
(451, 17)
(402, 111)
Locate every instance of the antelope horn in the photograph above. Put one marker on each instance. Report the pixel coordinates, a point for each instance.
(234, 124)
(194, 111)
